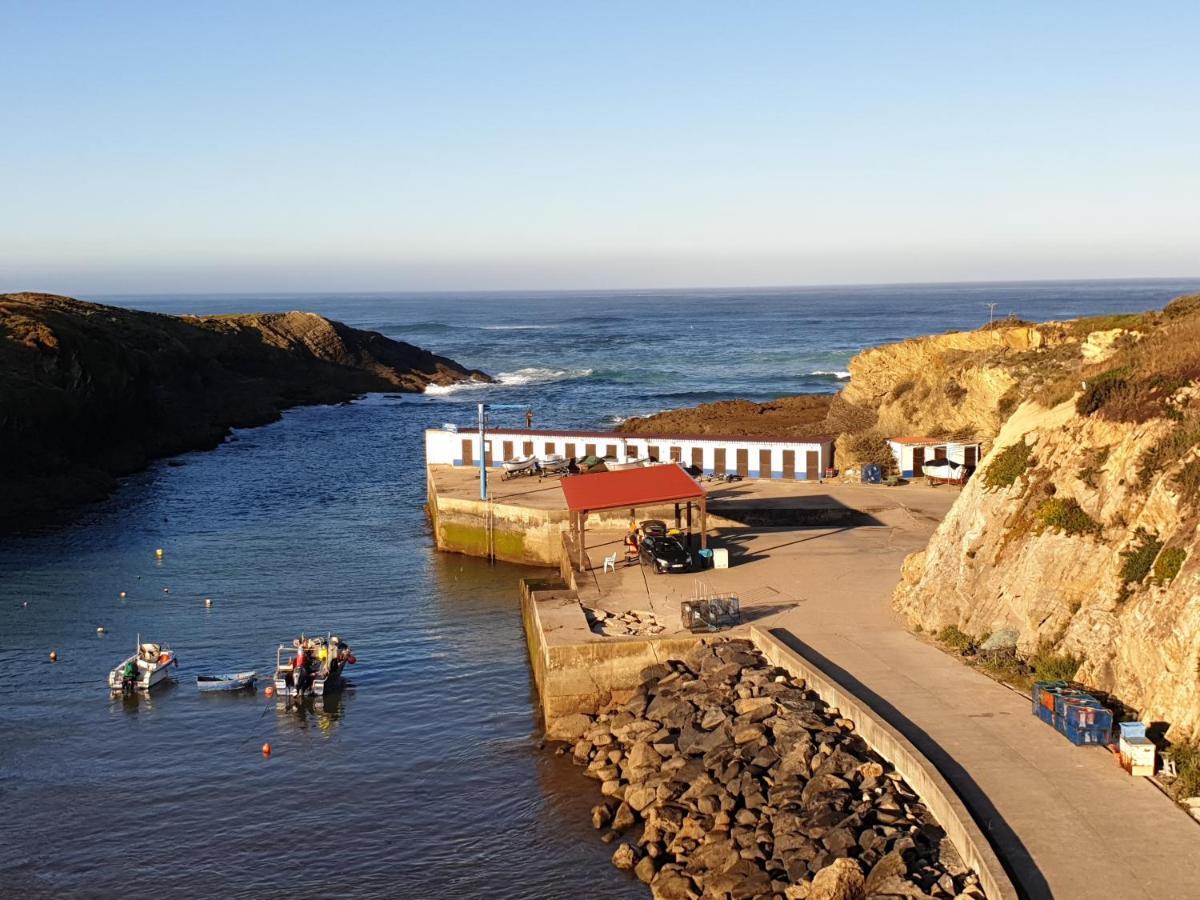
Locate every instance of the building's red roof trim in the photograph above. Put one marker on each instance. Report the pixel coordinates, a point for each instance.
(630, 488)
(618, 436)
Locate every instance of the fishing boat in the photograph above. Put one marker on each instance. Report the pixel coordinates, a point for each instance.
(149, 666)
(238, 681)
(311, 666)
(554, 464)
(514, 467)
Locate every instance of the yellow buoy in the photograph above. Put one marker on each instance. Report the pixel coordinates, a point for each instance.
(159, 552)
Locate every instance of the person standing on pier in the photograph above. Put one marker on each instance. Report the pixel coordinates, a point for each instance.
(529, 417)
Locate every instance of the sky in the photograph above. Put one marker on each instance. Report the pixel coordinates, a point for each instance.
(290, 146)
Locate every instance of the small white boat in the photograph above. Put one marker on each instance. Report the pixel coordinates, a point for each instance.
(554, 464)
(149, 666)
(614, 466)
(233, 682)
(514, 467)
(311, 666)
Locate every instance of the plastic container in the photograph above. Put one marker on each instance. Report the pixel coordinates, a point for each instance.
(1081, 735)
(1043, 694)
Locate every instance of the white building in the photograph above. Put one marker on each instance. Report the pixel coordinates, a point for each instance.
(750, 457)
(912, 453)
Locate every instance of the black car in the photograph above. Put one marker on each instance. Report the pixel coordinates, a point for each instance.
(666, 554)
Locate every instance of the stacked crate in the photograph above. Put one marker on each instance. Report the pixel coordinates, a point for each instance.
(1137, 751)
(1076, 714)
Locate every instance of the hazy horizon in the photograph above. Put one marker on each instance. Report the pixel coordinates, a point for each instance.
(281, 147)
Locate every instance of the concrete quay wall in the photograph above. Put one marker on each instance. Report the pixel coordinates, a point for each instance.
(916, 769)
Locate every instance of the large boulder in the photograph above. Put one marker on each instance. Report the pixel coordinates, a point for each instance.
(840, 880)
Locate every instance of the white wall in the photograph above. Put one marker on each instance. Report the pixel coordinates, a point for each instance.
(445, 448)
(955, 452)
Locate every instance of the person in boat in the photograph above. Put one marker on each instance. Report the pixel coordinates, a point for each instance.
(129, 676)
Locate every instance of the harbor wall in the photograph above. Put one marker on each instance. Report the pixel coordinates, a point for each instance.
(574, 671)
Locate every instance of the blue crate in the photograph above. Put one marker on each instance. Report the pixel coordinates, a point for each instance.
(1086, 734)
(1045, 715)
(1087, 714)
(1066, 698)
(1044, 687)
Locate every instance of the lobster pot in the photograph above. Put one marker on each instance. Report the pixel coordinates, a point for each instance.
(1136, 751)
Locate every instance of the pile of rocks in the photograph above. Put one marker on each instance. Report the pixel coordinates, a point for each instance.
(630, 622)
(727, 778)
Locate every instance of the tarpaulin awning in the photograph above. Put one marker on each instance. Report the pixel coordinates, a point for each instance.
(630, 488)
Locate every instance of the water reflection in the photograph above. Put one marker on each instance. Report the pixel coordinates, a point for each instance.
(306, 713)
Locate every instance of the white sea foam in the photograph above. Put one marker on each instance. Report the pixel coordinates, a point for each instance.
(530, 375)
(840, 374)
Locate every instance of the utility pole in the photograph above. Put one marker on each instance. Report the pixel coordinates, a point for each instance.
(483, 451)
(991, 312)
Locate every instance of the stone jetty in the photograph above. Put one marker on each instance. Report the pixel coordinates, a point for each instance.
(723, 777)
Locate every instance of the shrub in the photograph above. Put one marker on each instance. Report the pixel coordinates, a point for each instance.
(1182, 307)
(902, 387)
(870, 447)
(1168, 564)
(955, 392)
(1008, 465)
(1139, 559)
(1081, 328)
(1100, 390)
(1049, 666)
(1008, 402)
(953, 637)
(1064, 514)
(1187, 765)
(1005, 665)
(1168, 450)
(1093, 462)
(1187, 482)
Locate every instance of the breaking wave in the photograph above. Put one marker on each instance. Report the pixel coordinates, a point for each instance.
(840, 374)
(530, 375)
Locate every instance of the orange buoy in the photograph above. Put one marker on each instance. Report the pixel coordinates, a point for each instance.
(270, 691)
(53, 656)
(266, 749)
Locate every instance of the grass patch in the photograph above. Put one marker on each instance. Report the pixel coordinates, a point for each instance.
(1168, 564)
(1008, 465)
(1065, 515)
(952, 636)
(954, 391)
(1187, 765)
(1081, 328)
(1139, 560)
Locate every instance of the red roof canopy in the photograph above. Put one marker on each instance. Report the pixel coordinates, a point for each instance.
(630, 488)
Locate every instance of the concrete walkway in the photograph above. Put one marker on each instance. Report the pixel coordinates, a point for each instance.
(1067, 820)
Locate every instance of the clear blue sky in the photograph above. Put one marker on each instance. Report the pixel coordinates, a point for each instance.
(359, 146)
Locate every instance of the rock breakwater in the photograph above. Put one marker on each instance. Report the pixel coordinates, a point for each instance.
(723, 777)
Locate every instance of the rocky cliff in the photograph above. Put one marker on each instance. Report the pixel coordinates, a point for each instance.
(90, 392)
(1079, 530)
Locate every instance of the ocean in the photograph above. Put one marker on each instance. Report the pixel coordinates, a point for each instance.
(425, 779)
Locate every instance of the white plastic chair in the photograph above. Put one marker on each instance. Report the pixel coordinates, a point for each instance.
(610, 562)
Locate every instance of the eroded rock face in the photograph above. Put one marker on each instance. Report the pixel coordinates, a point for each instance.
(725, 778)
(91, 392)
(992, 567)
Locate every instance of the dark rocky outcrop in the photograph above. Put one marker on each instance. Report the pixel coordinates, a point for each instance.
(724, 778)
(91, 392)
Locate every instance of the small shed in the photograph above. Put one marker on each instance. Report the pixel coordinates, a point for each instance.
(632, 489)
(912, 454)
